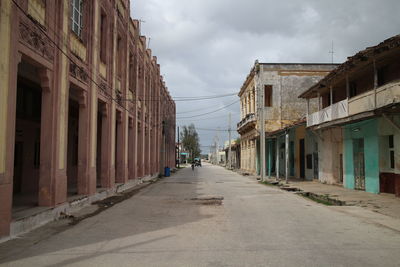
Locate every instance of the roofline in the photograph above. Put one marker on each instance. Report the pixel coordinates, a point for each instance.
(324, 64)
(353, 62)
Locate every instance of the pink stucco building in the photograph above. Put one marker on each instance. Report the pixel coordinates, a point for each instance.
(82, 103)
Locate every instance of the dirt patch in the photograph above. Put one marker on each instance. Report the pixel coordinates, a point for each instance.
(107, 203)
(208, 201)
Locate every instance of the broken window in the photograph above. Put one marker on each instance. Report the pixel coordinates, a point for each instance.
(268, 96)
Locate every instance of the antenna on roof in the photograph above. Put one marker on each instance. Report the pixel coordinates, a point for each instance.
(332, 52)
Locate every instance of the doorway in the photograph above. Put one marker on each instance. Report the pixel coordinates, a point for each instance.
(28, 125)
(101, 124)
(72, 149)
(118, 158)
(302, 159)
(315, 161)
(359, 164)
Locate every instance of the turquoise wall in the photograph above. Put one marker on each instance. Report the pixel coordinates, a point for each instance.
(368, 130)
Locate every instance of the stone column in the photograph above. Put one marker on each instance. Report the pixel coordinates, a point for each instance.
(107, 175)
(121, 147)
(131, 148)
(86, 178)
(8, 96)
(93, 103)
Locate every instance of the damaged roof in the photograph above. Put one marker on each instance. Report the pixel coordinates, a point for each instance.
(352, 62)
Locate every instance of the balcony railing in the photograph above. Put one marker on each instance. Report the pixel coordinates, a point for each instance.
(251, 117)
(336, 111)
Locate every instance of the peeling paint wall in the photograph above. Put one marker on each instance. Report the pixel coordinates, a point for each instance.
(331, 147)
(368, 131)
(311, 147)
(288, 82)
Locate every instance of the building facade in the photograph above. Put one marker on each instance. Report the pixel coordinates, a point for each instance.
(83, 104)
(358, 120)
(247, 126)
(272, 88)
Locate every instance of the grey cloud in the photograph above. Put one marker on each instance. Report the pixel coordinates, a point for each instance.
(207, 47)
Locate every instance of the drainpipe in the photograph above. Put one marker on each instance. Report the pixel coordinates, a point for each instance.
(347, 86)
(331, 94)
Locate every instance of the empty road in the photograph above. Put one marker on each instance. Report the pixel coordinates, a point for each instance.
(213, 217)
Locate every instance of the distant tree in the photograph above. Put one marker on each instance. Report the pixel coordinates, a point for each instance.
(190, 141)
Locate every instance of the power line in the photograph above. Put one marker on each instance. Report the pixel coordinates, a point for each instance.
(219, 130)
(72, 60)
(222, 95)
(237, 101)
(209, 118)
(180, 98)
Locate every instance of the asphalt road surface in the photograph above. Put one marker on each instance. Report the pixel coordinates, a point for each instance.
(214, 217)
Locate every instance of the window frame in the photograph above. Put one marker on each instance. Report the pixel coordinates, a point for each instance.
(77, 22)
(268, 101)
(103, 36)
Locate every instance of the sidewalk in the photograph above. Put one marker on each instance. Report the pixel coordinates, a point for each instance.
(25, 221)
(383, 203)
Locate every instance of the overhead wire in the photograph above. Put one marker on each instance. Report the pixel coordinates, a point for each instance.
(179, 98)
(35, 23)
(209, 118)
(198, 115)
(116, 100)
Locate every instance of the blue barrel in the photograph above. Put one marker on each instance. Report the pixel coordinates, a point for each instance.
(167, 172)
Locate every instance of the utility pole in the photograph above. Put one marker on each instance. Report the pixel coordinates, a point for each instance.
(229, 149)
(286, 156)
(217, 146)
(179, 152)
(261, 123)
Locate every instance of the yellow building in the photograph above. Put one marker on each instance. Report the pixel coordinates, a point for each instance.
(273, 88)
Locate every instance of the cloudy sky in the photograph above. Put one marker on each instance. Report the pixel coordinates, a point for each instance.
(207, 47)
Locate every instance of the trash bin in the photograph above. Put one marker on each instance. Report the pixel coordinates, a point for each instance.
(167, 172)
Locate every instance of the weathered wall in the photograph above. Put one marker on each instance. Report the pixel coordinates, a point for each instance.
(389, 177)
(300, 134)
(368, 130)
(311, 144)
(288, 82)
(330, 147)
